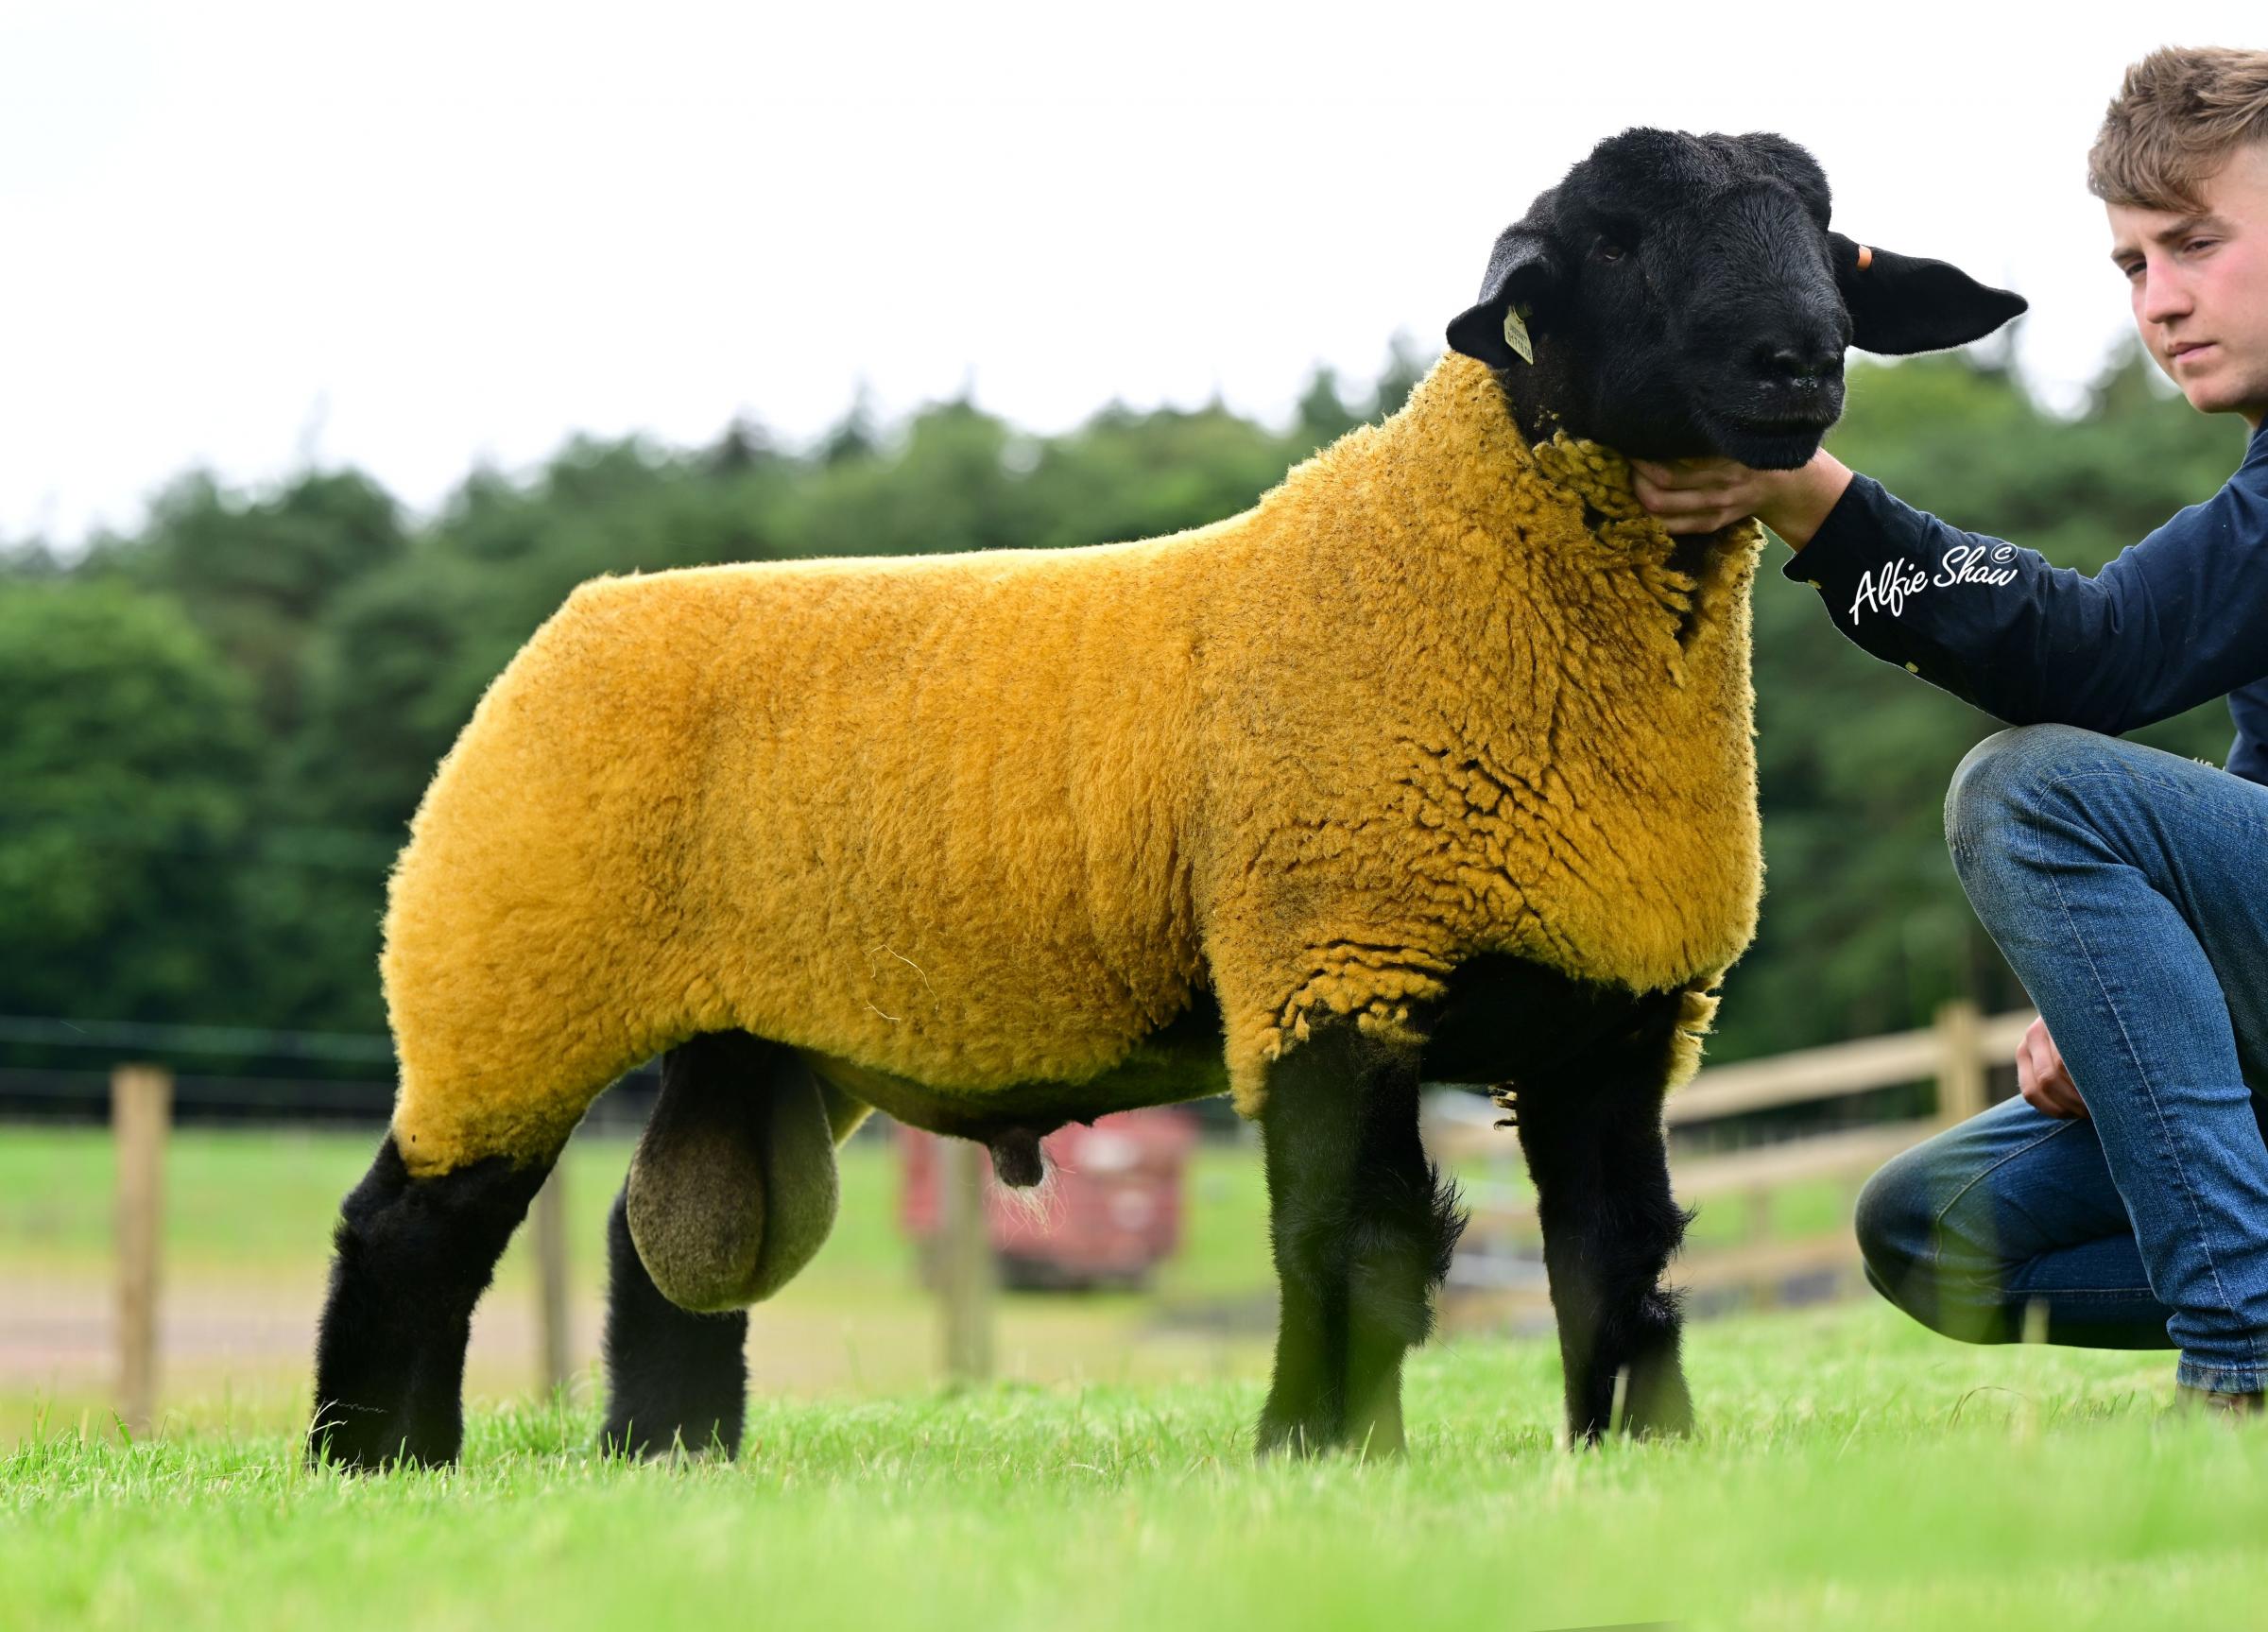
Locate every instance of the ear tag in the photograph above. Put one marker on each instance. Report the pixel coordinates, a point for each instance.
(1516, 334)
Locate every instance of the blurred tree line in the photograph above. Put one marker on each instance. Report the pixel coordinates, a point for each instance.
(214, 730)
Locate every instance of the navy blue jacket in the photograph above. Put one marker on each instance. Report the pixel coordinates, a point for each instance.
(2175, 621)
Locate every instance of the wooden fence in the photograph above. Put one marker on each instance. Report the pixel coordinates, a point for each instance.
(141, 1126)
(1497, 1281)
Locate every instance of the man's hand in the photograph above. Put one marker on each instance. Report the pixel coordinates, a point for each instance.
(2041, 1078)
(1701, 495)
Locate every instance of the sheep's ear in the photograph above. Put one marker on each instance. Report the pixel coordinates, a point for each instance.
(1523, 272)
(1902, 303)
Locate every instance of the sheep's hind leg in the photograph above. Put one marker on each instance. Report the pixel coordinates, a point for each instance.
(1593, 1139)
(413, 1257)
(1363, 1231)
(732, 1191)
(674, 1377)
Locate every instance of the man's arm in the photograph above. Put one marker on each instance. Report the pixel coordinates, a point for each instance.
(2176, 620)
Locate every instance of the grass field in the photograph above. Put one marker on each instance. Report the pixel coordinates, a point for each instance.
(1853, 1470)
(1854, 1473)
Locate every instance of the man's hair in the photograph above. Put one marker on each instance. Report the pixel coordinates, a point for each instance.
(2177, 118)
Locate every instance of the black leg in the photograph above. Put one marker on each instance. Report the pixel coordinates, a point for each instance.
(1596, 1152)
(673, 1378)
(731, 1190)
(413, 1257)
(1363, 1231)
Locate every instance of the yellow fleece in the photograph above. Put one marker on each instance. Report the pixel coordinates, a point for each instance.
(987, 820)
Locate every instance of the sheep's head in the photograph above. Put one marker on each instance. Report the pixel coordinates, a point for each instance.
(1682, 295)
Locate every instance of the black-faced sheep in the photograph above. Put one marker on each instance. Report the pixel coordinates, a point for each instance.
(1436, 765)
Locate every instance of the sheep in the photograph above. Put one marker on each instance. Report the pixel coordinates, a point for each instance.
(1436, 765)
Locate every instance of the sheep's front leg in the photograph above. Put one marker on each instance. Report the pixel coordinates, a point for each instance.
(1363, 1231)
(413, 1256)
(1596, 1152)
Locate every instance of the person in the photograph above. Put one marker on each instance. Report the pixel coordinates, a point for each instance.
(2121, 1199)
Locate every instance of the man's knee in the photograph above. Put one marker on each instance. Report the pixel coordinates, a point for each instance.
(1908, 1257)
(2011, 772)
(1896, 1223)
(1893, 1221)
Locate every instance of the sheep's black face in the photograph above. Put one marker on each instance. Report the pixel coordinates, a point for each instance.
(1682, 295)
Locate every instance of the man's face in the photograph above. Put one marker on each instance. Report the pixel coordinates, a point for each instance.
(2199, 285)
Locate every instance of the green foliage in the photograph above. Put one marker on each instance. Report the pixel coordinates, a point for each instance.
(271, 679)
(1405, 366)
(1322, 417)
(255, 574)
(125, 747)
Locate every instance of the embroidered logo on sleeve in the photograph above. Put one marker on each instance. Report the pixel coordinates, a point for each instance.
(1886, 588)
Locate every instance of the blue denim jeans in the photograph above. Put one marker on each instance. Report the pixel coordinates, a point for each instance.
(2128, 889)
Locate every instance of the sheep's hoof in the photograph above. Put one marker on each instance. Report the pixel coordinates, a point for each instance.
(1650, 1401)
(684, 1442)
(370, 1439)
(1287, 1436)
(1366, 1435)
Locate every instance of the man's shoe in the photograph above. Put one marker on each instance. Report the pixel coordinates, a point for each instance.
(2217, 1403)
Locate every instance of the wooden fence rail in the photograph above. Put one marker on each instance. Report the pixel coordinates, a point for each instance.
(1497, 1281)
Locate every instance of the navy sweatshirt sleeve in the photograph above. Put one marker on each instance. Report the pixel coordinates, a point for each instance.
(2176, 620)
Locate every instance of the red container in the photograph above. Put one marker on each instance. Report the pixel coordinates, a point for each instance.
(1109, 1211)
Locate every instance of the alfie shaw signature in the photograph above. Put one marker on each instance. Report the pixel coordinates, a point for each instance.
(1887, 588)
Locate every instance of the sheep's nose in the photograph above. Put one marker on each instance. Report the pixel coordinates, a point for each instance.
(1800, 362)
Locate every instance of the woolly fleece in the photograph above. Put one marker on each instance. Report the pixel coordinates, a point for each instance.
(987, 820)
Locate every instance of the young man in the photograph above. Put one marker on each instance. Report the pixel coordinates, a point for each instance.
(2121, 1201)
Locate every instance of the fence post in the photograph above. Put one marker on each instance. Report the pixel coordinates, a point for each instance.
(1960, 1061)
(1764, 1291)
(141, 1107)
(967, 1261)
(551, 1279)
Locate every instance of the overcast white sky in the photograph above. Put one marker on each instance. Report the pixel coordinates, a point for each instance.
(412, 237)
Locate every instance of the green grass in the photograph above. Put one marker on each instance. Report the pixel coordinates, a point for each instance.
(1853, 1471)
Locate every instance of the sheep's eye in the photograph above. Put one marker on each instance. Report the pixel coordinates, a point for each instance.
(1609, 249)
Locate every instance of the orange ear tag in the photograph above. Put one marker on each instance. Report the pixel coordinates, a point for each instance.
(1866, 256)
